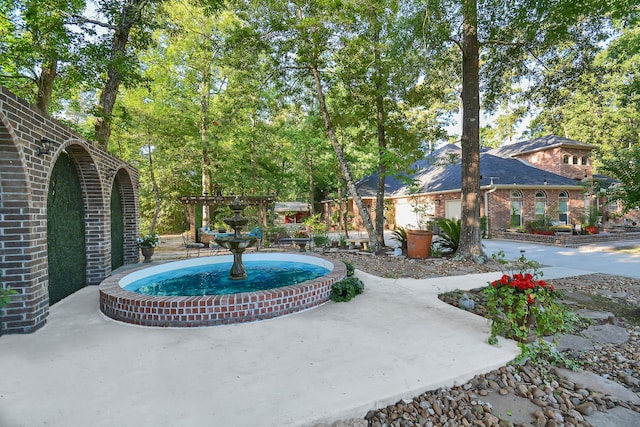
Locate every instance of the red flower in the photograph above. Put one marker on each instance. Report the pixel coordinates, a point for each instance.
(530, 298)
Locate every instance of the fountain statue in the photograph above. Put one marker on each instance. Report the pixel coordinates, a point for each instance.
(237, 243)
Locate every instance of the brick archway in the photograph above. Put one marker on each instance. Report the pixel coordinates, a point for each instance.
(25, 170)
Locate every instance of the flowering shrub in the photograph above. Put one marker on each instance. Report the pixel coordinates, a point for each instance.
(520, 304)
(149, 240)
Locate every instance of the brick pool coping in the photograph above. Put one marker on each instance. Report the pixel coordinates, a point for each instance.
(211, 310)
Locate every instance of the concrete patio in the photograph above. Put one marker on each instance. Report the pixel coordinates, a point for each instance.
(333, 362)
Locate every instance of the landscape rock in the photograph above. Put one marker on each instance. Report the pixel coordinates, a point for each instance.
(609, 353)
(607, 334)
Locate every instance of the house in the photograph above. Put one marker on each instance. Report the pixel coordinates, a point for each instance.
(291, 212)
(548, 178)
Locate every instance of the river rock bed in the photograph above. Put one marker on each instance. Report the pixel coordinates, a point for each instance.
(543, 395)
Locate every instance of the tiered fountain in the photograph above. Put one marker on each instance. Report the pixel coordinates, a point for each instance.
(237, 243)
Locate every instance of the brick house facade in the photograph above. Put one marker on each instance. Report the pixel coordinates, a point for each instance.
(25, 172)
(550, 176)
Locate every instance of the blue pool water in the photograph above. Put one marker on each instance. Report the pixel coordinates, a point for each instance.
(213, 279)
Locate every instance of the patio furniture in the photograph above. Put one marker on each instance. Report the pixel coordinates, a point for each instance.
(301, 242)
(192, 245)
(364, 243)
(257, 232)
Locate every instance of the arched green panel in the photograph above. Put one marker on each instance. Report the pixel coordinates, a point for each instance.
(117, 228)
(67, 252)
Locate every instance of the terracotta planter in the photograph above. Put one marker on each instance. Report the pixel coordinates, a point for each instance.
(147, 252)
(419, 243)
(592, 229)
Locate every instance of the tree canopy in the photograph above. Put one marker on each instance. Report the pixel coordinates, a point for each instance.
(206, 96)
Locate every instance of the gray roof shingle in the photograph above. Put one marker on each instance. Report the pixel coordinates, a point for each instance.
(537, 144)
(442, 170)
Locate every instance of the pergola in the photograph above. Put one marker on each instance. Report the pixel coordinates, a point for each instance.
(262, 202)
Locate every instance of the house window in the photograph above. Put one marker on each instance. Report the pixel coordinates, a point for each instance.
(563, 207)
(575, 160)
(584, 161)
(516, 209)
(565, 159)
(541, 205)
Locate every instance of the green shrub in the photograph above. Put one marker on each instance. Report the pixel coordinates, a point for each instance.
(351, 269)
(346, 289)
(400, 234)
(450, 234)
(320, 240)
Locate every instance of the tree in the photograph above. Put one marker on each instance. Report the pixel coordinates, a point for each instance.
(377, 88)
(624, 165)
(121, 63)
(604, 108)
(38, 48)
(518, 40)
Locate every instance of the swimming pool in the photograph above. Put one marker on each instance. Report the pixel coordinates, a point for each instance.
(207, 310)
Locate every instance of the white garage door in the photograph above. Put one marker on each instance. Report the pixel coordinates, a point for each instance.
(453, 209)
(405, 216)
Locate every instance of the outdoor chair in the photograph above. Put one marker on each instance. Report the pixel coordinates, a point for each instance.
(191, 245)
(256, 232)
(215, 247)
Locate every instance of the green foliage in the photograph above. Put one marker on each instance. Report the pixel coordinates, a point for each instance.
(5, 294)
(484, 226)
(450, 235)
(320, 240)
(520, 304)
(543, 354)
(346, 289)
(624, 165)
(351, 269)
(400, 234)
(316, 224)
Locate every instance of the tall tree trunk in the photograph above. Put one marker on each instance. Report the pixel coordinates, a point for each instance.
(470, 247)
(204, 141)
(382, 142)
(155, 187)
(344, 165)
(131, 12)
(342, 162)
(312, 184)
(45, 86)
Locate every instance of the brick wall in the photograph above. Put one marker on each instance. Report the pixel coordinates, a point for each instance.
(499, 206)
(552, 160)
(24, 186)
(567, 240)
(210, 310)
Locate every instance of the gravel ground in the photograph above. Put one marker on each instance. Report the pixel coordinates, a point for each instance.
(557, 402)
